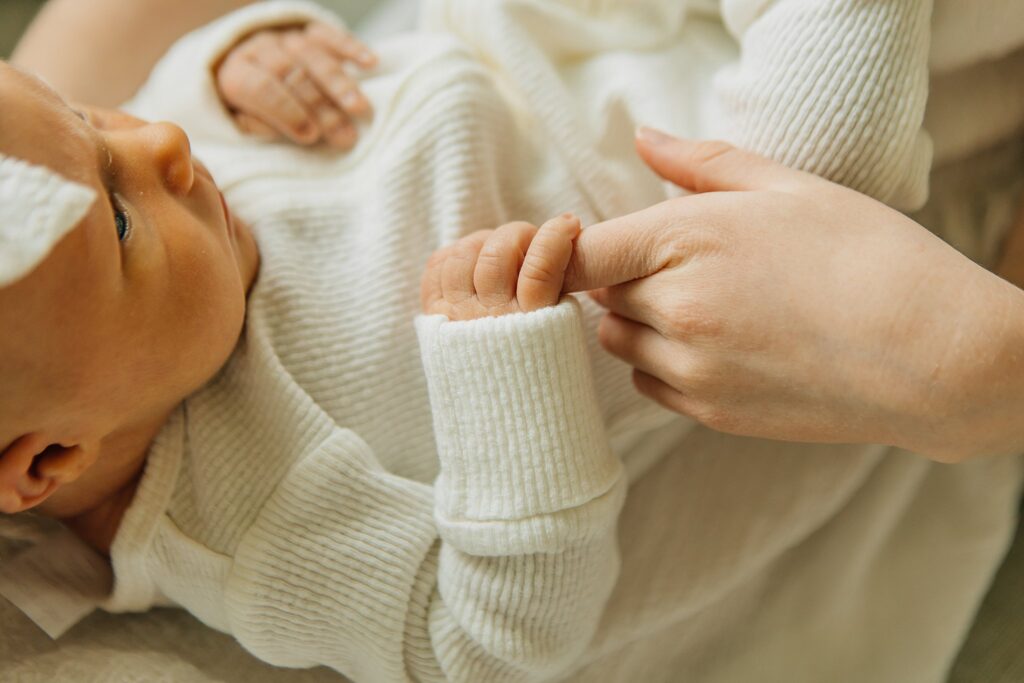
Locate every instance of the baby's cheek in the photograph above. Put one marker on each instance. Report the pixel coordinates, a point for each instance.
(207, 305)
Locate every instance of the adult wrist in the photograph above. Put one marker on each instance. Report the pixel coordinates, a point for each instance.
(979, 408)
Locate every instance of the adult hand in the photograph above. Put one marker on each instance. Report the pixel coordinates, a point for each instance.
(776, 304)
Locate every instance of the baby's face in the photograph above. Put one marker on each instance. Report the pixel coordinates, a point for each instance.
(143, 301)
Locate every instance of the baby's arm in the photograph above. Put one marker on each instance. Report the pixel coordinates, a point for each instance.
(100, 51)
(833, 87)
(501, 570)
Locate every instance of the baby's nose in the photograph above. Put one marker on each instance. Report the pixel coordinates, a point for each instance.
(173, 156)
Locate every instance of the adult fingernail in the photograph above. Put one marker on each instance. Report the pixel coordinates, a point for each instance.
(652, 136)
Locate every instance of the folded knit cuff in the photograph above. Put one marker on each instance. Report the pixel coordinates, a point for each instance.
(516, 418)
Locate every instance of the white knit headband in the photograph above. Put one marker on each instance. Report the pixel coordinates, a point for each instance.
(38, 208)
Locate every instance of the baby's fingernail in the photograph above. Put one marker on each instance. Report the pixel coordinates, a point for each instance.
(367, 57)
(569, 216)
(652, 136)
(351, 99)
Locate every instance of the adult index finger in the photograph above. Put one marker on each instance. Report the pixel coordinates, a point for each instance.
(632, 246)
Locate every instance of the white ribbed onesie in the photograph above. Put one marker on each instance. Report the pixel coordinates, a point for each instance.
(491, 500)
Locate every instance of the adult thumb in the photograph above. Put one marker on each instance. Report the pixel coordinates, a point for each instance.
(709, 165)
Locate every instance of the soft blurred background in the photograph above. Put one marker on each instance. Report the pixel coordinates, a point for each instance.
(15, 15)
(993, 653)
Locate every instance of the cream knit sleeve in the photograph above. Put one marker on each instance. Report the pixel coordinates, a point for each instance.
(499, 572)
(834, 87)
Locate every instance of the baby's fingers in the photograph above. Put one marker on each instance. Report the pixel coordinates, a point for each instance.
(323, 86)
(431, 292)
(543, 271)
(497, 267)
(327, 75)
(327, 67)
(254, 86)
(457, 271)
(253, 126)
(342, 43)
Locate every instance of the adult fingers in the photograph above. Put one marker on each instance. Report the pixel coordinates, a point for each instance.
(629, 247)
(543, 272)
(639, 345)
(662, 393)
(711, 165)
(640, 301)
(498, 264)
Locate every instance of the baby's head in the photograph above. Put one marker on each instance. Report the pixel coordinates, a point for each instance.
(136, 306)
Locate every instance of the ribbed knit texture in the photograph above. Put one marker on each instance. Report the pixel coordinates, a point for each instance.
(451, 507)
(834, 87)
(837, 88)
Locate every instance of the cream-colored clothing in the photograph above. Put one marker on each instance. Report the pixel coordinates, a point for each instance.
(492, 501)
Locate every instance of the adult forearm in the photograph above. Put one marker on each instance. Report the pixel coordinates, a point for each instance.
(985, 399)
(100, 51)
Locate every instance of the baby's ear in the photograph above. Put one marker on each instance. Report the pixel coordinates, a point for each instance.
(32, 468)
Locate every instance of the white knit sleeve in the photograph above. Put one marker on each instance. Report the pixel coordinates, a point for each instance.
(181, 87)
(499, 572)
(833, 87)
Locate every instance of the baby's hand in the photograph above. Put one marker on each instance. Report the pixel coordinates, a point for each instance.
(514, 269)
(292, 82)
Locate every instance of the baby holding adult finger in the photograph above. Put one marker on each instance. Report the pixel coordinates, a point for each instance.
(338, 406)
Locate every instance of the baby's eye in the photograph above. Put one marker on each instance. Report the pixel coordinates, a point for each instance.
(122, 221)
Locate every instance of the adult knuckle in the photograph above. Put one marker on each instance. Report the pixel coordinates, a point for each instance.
(712, 415)
(687, 317)
(698, 375)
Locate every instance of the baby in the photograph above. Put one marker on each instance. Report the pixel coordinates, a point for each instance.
(219, 470)
(229, 398)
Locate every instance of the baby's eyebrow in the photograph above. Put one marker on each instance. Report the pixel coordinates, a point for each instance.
(104, 159)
